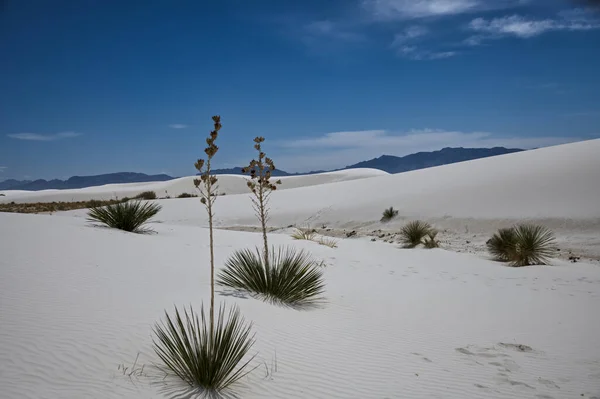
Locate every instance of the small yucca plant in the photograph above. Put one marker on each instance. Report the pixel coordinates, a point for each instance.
(502, 244)
(205, 360)
(129, 216)
(389, 214)
(413, 233)
(303, 234)
(523, 245)
(429, 241)
(290, 278)
(328, 242)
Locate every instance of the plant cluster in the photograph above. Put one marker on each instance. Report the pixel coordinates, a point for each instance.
(523, 245)
(418, 232)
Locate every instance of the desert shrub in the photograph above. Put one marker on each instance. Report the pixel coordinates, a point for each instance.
(186, 195)
(208, 360)
(146, 195)
(128, 216)
(328, 242)
(290, 277)
(413, 233)
(2, 195)
(125, 199)
(304, 234)
(389, 214)
(430, 241)
(502, 244)
(523, 245)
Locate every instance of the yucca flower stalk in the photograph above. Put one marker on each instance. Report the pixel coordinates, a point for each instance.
(261, 187)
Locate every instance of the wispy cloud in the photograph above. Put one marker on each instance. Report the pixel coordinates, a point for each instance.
(404, 44)
(331, 30)
(413, 9)
(178, 126)
(524, 27)
(43, 137)
(3, 168)
(339, 149)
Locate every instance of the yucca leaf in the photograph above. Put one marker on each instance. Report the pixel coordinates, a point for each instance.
(128, 216)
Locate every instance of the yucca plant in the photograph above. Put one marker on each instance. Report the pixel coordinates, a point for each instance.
(413, 233)
(303, 234)
(209, 360)
(502, 244)
(430, 241)
(389, 214)
(204, 354)
(523, 245)
(290, 278)
(129, 216)
(328, 242)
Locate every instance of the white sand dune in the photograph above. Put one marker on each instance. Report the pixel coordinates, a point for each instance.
(228, 184)
(76, 301)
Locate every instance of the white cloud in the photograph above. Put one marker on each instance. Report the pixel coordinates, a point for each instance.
(3, 168)
(178, 126)
(43, 137)
(339, 149)
(412, 9)
(523, 27)
(404, 45)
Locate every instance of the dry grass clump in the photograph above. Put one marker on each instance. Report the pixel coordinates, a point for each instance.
(186, 195)
(304, 234)
(389, 214)
(146, 195)
(429, 241)
(43, 207)
(328, 242)
(523, 245)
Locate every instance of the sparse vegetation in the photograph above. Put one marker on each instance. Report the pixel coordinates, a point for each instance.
(328, 242)
(186, 195)
(208, 358)
(291, 278)
(304, 234)
(523, 245)
(146, 195)
(389, 214)
(430, 241)
(128, 216)
(42, 207)
(413, 233)
(206, 355)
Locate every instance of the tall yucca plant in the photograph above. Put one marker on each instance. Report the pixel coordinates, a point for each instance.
(260, 185)
(205, 355)
(129, 216)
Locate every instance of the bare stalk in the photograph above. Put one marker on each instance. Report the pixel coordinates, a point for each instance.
(260, 184)
(207, 186)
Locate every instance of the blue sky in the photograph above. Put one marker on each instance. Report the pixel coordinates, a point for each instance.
(100, 86)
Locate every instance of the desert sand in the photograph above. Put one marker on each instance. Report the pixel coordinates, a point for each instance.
(78, 302)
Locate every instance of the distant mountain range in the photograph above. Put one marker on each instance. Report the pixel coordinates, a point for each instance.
(81, 181)
(387, 163)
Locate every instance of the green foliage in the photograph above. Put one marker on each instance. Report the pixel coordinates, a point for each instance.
(389, 214)
(413, 233)
(146, 195)
(429, 241)
(502, 244)
(303, 234)
(523, 245)
(186, 195)
(290, 278)
(205, 361)
(129, 216)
